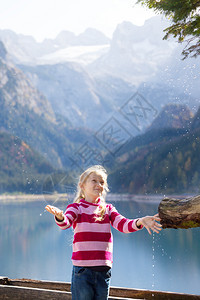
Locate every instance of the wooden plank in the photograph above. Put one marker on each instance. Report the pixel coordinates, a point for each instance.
(124, 293)
(19, 293)
(28, 289)
(146, 294)
(49, 285)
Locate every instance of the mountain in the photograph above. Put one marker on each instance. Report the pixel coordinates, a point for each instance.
(16, 87)
(83, 100)
(159, 95)
(25, 49)
(22, 168)
(94, 82)
(69, 89)
(135, 53)
(91, 37)
(83, 49)
(196, 120)
(3, 52)
(99, 102)
(25, 170)
(173, 116)
(162, 160)
(89, 78)
(26, 113)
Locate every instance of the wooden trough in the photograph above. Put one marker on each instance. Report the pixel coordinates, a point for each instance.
(20, 289)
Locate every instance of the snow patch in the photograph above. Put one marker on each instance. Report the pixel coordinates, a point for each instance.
(81, 54)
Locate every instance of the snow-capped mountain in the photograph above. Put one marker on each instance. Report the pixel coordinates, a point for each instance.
(65, 47)
(84, 48)
(88, 78)
(136, 52)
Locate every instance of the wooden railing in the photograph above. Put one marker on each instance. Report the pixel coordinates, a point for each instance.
(20, 289)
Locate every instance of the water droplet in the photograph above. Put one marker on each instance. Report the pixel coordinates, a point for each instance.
(153, 260)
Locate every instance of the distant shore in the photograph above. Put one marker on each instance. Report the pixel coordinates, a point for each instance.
(9, 198)
(31, 197)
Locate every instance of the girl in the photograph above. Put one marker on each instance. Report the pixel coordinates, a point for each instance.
(91, 217)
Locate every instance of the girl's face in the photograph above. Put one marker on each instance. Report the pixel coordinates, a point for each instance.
(93, 187)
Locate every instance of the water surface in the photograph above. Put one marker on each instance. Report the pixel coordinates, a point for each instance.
(32, 246)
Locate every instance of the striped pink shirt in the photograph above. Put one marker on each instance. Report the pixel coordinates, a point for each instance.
(93, 240)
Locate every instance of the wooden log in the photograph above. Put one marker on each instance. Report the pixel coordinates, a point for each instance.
(180, 213)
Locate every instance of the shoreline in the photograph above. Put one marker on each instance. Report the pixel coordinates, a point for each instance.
(152, 198)
(32, 198)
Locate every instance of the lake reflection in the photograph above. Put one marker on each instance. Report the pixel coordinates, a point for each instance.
(32, 246)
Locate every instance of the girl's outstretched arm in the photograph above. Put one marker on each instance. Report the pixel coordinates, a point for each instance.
(56, 212)
(149, 222)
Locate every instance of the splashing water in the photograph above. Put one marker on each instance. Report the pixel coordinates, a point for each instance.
(153, 262)
(41, 214)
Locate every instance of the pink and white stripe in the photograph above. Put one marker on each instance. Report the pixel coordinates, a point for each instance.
(93, 241)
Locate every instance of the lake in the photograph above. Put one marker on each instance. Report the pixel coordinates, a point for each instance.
(32, 246)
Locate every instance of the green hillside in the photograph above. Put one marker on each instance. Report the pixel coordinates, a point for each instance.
(159, 161)
(22, 168)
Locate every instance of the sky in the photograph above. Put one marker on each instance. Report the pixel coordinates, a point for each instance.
(47, 18)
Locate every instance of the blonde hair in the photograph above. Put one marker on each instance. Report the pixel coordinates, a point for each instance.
(82, 179)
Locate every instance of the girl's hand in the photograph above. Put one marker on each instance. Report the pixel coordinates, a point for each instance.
(56, 212)
(149, 222)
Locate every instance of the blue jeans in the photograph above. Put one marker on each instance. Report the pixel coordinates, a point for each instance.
(90, 285)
